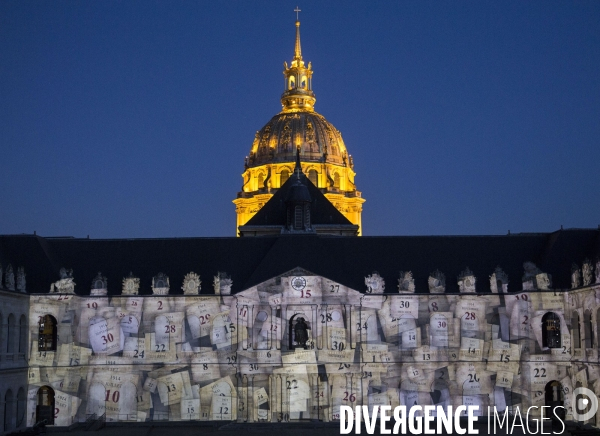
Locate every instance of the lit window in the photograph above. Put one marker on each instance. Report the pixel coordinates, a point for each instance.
(551, 330)
(313, 177)
(47, 334)
(285, 174)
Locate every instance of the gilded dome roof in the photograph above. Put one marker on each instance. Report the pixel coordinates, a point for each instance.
(316, 137)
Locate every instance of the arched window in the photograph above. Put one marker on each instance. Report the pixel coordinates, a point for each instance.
(336, 180)
(261, 181)
(21, 407)
(22, 334)
(292, 84)
(303, 83)
(285, 175)
(554, 398)
(313, 177)
(47, 334)
(575, 330)
(9, 414)
(11, 332)
(551, 330)
(588, 329)
(598, 324)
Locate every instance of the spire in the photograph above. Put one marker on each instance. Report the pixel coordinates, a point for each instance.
(297, 47)
(298, 168)
(298, 95)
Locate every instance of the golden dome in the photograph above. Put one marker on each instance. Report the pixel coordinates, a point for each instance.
(316, 137)
(323, 155)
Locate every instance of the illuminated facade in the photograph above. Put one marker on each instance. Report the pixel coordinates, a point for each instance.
(323, 154)
(300, 324)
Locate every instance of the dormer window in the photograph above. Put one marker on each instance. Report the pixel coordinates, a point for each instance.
(298, 217)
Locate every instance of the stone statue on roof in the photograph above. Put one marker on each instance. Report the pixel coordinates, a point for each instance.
(406, 283)
(466, 281)
(575, 276)
(222, 284)
(499, 281)
(9, 280)
(587, 272)
(65, 285)
(375, 283)
(437, 282)
(21, 283)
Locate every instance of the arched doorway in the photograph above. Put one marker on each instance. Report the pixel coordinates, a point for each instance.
(555, 399)
(45, 405)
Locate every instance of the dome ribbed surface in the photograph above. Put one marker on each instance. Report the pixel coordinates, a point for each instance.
(319, 141)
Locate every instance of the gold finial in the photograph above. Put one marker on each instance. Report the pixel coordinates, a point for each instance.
(298, 95)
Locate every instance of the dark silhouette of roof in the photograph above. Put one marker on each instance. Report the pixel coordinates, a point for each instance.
(274, 212)
(250, 261)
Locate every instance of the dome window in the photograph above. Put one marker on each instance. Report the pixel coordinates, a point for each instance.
(292, 83)
(313, 177)
(285, 174)
(336, 180)
(261, 181)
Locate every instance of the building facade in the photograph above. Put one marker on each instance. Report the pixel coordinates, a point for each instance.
(297, 316)
(297, 345)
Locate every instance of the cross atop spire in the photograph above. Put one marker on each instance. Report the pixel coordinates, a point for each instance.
(297, 10)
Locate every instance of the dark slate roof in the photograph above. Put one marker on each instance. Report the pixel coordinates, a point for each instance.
(251, 261)
(321, 210)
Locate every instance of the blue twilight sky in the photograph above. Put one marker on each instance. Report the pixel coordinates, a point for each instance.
(132, 118)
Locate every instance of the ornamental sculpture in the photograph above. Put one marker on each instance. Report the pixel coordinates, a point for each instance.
(499, 281)
(406, 283)
(466, 281)
(9, 280)
(587, 272)
(437, 282)
(160, 284)
(534, 278)
(99, 285)
(543, 281)
(131, 285)
(222, 284)
(375, 284)
(575, 276)
(21, 283)
(65, 285)
(529, 281)
(191, 284)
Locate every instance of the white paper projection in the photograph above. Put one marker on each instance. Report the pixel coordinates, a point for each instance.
(236, 357)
